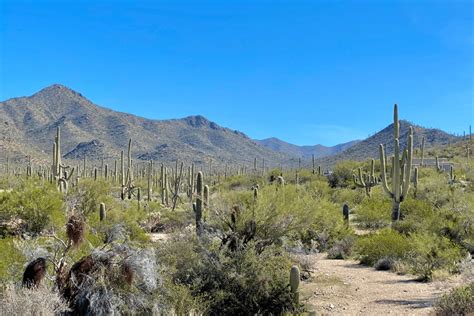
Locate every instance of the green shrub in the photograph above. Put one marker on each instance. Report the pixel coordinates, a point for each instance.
(227, 283)
(37, 207)
(386, 243)
(11, 264)
(459, 301)
(429, 253)
(342, 174)
(373, 213)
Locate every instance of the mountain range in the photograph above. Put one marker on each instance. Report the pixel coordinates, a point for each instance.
(28, 125)
(304, 152)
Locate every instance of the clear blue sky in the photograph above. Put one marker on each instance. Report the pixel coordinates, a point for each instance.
(305, 71)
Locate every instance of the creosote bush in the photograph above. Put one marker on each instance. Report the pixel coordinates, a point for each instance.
(214, 280)
(459, 301)
(33, 206)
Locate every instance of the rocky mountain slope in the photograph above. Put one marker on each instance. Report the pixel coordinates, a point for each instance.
(28, 125)
(369, 147)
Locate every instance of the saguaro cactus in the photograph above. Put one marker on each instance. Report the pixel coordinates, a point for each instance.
(197, 206)
(401, 168)
(366, 180)
(59, 170)
(294, 285)
(128, 186)
(102, 213)
(422, 151)
(206, 195)
(415, 182)
(345, 214)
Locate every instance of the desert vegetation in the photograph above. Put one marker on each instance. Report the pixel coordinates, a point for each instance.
(123, 236)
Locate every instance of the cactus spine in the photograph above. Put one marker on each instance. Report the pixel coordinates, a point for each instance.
(401, 168)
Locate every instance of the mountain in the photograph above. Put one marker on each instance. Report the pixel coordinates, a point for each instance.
(305, 152)
(28, 125)
(369, 148)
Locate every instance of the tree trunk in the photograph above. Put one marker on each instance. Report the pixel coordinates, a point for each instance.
(395, 211)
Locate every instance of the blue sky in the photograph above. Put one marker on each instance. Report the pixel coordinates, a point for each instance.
(307, 72)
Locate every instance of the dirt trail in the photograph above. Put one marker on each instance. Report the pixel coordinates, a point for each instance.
(343, 287)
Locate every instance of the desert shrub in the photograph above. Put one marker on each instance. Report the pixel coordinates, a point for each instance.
(342, 249)
(38, 301)
(11, 262)
(429, 253)
(385, 263)
(245, 281)
(342, 174)
(459, 301)
(374, 213)
(36, 207)
(88, 194)
(294, 213)
(386, 243)
(347, 195)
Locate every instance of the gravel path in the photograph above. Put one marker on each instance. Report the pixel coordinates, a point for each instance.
(343, 287)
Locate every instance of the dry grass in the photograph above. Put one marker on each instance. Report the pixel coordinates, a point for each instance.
(22, 301)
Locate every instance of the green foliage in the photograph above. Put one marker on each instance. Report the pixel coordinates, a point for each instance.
(342, 174)
(386, 243)
(11, 264)
(246, 281)
(429, 253)
(459, 301)
(89, 194)
(36, 206)
(373, 213)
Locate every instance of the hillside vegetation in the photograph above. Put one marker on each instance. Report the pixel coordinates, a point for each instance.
(169, 238)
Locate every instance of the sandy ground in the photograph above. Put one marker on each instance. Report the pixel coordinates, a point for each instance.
(343, 287)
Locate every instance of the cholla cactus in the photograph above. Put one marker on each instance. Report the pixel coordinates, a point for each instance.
(401, 168)
(367, 180)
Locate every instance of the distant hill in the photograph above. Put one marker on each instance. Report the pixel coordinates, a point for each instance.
(28, 125)
(304, 152)
(369, 148)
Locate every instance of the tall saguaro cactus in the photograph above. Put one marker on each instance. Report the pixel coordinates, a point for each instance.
(59, 170)
(199, 201)
(401, 168)
(128, 186)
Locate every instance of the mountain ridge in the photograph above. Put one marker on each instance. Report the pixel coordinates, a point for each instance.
(28, 125)
(305, 151)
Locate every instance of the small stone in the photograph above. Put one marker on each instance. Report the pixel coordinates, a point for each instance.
(331, 306)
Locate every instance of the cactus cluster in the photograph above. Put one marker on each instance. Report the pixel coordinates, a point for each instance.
(366, 180)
